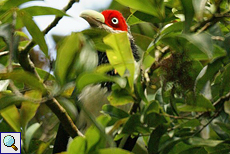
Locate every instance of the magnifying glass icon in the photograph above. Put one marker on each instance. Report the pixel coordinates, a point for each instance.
(9, 141)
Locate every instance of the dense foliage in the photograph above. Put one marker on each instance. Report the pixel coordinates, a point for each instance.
(180, 89)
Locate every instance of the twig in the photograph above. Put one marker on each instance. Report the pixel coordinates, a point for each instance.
(57, 19)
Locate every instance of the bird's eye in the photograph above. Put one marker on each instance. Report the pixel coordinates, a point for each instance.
(114, 20)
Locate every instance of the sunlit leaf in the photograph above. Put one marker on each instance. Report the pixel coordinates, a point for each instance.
(12, 117)
(78, 145)
(90, 78)
(28, 109)
(121, 57)
(112, 151)
(94, 139)
(120, 97)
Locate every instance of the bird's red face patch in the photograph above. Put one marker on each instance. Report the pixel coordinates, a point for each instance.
(115, 20)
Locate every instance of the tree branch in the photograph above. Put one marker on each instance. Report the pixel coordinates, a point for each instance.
(63, 116)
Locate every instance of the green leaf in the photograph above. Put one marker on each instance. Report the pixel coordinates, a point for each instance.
(195, 150)
(104, 68)
(154, 140)
(142, 41)
(199, 7)
(7, 100)
(178, 148)
(94, 139)
(221, 148)
(201, 41)
(41, 10)
(153, 119)
(97, 35)
(12, 3)
(224, 126)
(12, 117)
(225, 85)
(120, 97)
(77, 146)
(89, 78)
(30, 133)
(21, 76)
(189, 13)
(155, 8)
(44, 74)
(134, 125)
(218, 52)
(197, 104)
(28, 109)
(172, 27)
(66, 55)
(34, 31)
(132, 20)
(121, 57)
(153, 107)
(207, 74)
(140, 17)
(114, 112)
(202, 142)
(112, 151)
(168, 143)
(5, 32)
(190, 123)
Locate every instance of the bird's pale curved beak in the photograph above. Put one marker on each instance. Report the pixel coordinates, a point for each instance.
(94, 18)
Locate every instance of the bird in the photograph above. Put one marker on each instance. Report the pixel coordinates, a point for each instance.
(111, 21)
